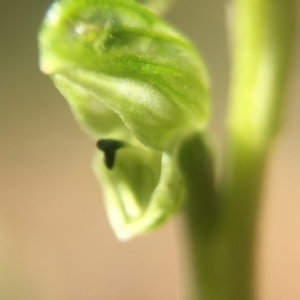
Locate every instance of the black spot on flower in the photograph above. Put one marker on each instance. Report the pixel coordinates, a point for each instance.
(109, 147)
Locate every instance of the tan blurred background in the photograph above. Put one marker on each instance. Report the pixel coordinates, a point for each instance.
(55, 242)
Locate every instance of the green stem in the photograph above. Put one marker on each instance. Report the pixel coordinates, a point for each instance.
(197, 167)
(221, 227)
(221, 222)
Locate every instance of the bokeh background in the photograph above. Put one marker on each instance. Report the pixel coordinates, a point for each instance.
(55, 241)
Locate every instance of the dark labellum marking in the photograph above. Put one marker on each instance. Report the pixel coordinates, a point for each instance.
(109, 147)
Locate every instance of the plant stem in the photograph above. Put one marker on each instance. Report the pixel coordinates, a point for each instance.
(197, 167)
(221, 221)
(221, 228)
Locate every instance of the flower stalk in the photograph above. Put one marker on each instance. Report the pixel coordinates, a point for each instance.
(223, 255)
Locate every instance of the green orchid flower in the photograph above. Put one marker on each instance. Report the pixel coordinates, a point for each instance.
(139, 88)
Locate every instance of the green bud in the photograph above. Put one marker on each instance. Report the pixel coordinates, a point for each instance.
(129, 77)
(117, 53)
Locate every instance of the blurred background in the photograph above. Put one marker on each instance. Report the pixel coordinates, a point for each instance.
(55, 241)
